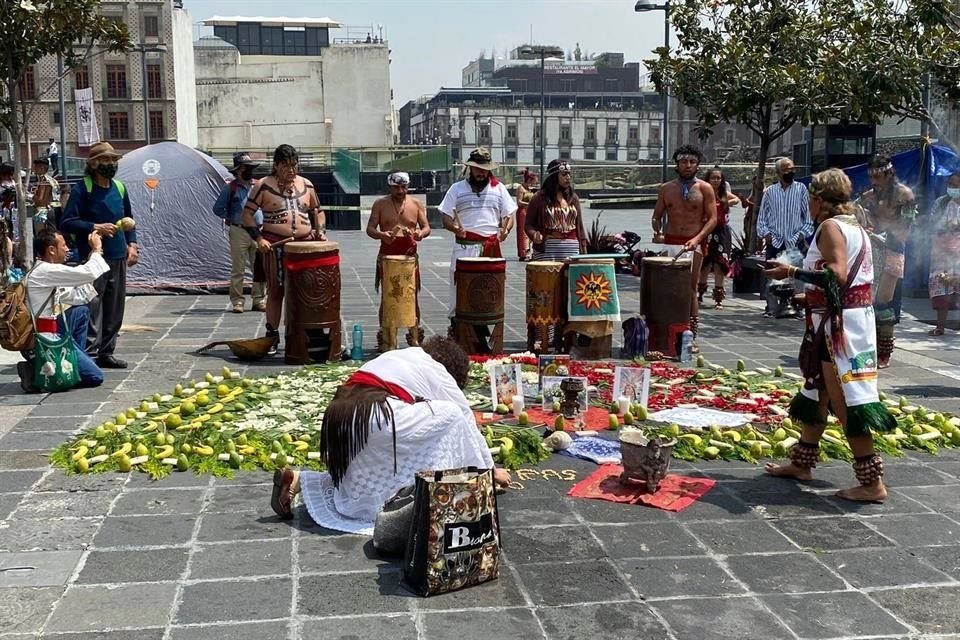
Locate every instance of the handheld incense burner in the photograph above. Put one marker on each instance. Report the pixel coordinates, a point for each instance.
(644, 459)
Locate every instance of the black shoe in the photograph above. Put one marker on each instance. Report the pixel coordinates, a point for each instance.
(25, 371)
(110, 362)
(272, 351)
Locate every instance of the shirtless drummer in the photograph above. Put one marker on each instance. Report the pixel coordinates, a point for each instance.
(691, 211)
(291, 211)
(399, 222)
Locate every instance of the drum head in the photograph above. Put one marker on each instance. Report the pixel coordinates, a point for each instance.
(399, 258)
(311, 246)
(666, 261)
(544, 264)
(481, 260)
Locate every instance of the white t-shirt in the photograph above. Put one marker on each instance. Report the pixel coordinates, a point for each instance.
(53, 149)
(480, 212)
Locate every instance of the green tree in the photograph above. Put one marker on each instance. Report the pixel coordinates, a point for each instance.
(771, 64)
(33, 29)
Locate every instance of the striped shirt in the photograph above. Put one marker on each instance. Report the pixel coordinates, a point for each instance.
(478, 212)
(785, 214)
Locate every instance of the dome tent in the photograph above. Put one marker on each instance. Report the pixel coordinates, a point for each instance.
(183, 246)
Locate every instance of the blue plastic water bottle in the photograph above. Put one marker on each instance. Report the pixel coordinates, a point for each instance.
(356, 353)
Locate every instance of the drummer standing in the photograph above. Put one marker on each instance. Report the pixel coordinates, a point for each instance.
(291, 211)
(690, 208)
(399, 222)
(479, 212)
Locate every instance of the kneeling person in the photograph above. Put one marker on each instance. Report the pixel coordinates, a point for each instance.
(399, 414)
(52, 286)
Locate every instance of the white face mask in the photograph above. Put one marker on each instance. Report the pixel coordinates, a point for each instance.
(954, 192)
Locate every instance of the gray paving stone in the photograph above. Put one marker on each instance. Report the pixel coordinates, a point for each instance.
(18, 481)
(340, 552)
(603, 512)
(155, 633)
(347, 593)
(227, 499)
(241, 559)
(241, 526)
(663, 578)
(930, 610)
(189, 480)
(246, 477)
(479, 625)
(34, 440)
(108, 567)
(831, 533)
(789, 504)
(74, 409)
(783, 573)
(917, 530)
(245, 600)
(396, 627)
(8, 502)
(648, 540)
(124, 531)
(946, 558)
(243, 631)
(14, 460)
(526, 512)
(747, 536)
(882, 567)
(159, 502)
(942, 499)
(719, 619)
(502, 592)
(25, 609)
(100, 607)
(572, 582)
(18, 534)
(539, 544)
(623, 621)
(57, 505)
(51, 423)
(106, 482)
(38, 568)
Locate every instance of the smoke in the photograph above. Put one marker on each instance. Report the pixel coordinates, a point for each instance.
(790, 257)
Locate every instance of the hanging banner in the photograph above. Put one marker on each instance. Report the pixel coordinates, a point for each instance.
(87, 131)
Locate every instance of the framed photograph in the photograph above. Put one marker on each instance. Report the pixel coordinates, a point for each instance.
(505, 382)
(552, 392)
(552, 365)
(632, 383)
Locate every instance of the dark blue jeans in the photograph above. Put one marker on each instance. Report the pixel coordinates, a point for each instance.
(79, 317)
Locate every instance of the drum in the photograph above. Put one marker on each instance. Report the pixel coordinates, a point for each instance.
(665, 297)
(546, 308)
(480, 287)
(312, 302)
(593, 305)
(398, 302)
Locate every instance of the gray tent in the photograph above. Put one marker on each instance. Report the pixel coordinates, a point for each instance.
(183, 246)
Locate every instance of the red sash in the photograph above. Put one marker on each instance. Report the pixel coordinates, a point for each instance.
(293, 262)
(405, 245)
(491, 244)
(367, 379)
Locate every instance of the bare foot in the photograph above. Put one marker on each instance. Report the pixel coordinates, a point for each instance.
(502, 477)
(884, 363)
(789, 470)
(875, 492)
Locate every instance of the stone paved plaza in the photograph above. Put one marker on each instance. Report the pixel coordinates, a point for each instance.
(119, 557)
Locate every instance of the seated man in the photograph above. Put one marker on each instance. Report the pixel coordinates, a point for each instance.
(401, 413)
(51, 287)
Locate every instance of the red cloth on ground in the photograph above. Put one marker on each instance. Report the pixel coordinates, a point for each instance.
(675, 493)
(596, 419)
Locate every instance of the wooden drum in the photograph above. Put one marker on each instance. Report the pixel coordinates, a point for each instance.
(312, 302)
(398, 302)
(546, 302)
(480, 287)
(665, 297)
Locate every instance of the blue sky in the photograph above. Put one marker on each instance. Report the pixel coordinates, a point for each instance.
(431, 40)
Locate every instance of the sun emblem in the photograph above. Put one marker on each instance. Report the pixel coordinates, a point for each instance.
(593, 290)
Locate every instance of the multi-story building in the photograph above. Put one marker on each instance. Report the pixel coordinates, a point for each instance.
(153, 84)
(263, 81)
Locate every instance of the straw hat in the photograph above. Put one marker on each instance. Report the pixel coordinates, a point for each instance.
(481, 159)
(102, 150)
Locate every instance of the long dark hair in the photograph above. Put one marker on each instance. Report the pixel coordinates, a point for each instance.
(722, 190)
(551, 185)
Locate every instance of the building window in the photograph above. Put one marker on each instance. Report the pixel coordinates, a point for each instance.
(536, 154)
(156, 126)
(611, 133)
(317, 39)
(565, 133)
(611, 85)
(484, 132)
(154, 85)
(271, 41)
(728, 136)
(151, 26)
(590, 134)
(568, 86)
(633, 155)
(116, 81)
(632, 135)
(654, 134)
(590, 154)
(81, 77)
(565, 154)
(119, 123)
(115, 19)
(511, 154)
(55, 118)
(294, 41)
(248, 38)
(28, 84)
(512, 132)
(536, 131)
(612, 154)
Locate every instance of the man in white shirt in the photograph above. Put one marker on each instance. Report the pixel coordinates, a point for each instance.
(479, 212)
(401, 413)
(53, 152)
(58, 296)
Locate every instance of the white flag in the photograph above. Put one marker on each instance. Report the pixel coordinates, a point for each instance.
(87, 131)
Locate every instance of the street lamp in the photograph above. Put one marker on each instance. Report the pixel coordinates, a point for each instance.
(144, 49)
(532, 52)
(503, 152)
(643, 6)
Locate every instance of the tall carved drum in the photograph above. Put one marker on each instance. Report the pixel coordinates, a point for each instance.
(546, 304)
(312, 302)
(665, 298)
(593, 305)
(399, 307)
(480, 288)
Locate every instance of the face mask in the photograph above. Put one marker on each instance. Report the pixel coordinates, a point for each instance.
(107, 170)
(954, 192)
(788, 176)
(246, 173)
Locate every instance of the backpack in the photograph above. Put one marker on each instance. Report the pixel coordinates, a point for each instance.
(88, 185)
(16, 323)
